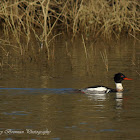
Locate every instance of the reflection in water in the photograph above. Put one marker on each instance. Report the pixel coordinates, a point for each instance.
(97, 97)
(119, 95)
(103, 97)
(119, 100)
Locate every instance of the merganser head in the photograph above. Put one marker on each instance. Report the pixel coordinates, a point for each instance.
(118, 78)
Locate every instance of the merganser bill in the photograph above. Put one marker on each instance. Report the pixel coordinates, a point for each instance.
(118, 78)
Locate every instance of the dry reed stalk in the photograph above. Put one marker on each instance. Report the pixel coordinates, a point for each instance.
(87, 58)
(137, 72)
(85, 47)
(105, 59)
(76, 17)
(45, 9)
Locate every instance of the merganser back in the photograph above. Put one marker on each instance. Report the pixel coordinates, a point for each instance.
(118, 78)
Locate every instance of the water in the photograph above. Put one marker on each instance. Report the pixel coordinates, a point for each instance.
(40, 102)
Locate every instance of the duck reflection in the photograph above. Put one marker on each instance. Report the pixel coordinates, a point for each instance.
(104, 97)
(97, 97)
(119, 100)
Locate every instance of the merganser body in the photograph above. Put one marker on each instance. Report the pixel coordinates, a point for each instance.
(118, 78)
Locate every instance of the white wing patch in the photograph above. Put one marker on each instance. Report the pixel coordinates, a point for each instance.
(98, 89)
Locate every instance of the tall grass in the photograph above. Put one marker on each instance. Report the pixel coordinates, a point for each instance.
(110, 17)
(45, 19)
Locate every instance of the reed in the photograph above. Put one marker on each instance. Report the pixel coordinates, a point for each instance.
(47, 19)
(85, 49)
(105, 59)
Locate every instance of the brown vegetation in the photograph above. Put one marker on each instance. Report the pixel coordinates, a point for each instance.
(45, 19)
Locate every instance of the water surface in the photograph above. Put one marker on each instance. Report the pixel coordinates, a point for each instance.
(43, 97)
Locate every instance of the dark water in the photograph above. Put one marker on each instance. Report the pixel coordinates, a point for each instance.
(40, 101)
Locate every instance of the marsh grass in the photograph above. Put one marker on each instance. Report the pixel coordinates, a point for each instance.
(47, 19)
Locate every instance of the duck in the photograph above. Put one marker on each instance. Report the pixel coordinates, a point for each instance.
(118, 78)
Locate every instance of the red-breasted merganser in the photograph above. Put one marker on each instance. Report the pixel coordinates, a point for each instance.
(118, 78)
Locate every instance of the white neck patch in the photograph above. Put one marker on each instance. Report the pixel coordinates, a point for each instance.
(119, 87)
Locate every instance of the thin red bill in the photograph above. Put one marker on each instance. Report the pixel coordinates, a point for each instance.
(127, 78)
